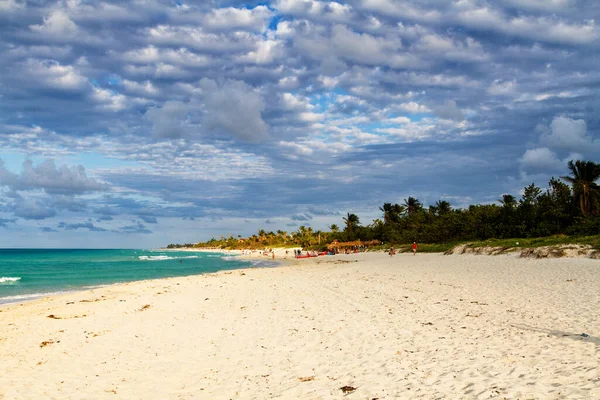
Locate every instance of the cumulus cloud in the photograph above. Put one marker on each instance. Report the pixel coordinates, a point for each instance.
(570, 135)
(449, 110)
(543, 5)
(233, 108)
(230, 18)
(57, 23)
(563, 140)
(502, 88)
(47, 177)
(541, 159)
(172, 120)
(545, 28)
(10, 5)
(29, 208)
(52, 74)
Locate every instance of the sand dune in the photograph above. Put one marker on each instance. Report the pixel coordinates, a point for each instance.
(362, 326)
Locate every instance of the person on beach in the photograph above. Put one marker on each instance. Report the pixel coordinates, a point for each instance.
(414, 248)
(392, 252)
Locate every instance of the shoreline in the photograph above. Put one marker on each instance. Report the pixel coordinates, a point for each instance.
(30, 297)
(463, 326)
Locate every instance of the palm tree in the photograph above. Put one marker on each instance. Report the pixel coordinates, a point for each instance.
(584, 177)
(391, 213)
(412, 205)
(443, 207)
(351, 222)
(508, 201)
(318, 235)
(334, 228)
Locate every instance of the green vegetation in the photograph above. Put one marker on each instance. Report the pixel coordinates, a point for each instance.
(560, 214)
(555, 240)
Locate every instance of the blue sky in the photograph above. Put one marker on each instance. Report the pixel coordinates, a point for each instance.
(128, 124)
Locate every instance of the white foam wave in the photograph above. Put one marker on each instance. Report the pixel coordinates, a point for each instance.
(159, 258)
(30, 296)
(263, 263)
(231, 258)
(8, 279)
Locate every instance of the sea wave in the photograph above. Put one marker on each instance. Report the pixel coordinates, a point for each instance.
(231, 258)
(29, 296)
(263, 263)
(8, 279)
(159, 258)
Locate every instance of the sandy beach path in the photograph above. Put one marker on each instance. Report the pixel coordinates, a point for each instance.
(361, 326)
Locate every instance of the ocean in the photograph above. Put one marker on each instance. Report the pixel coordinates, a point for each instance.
(26, 274)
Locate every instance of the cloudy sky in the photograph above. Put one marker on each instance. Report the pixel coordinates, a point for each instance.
(147, 122)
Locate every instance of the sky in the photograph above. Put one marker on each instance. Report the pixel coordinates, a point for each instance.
(135, 124)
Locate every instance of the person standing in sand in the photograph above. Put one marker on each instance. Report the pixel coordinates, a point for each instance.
(414, 248)
(392, 252)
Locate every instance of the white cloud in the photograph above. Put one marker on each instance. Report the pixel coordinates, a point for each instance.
(195, 38)
(452, 49)
(108, 100)
(10, 5)
(63, 180)
(541, 159)
(290, 101)
(364, 48)
(542, 5)
(328, 82)
(425, 79)
(234, 108)
(299, 149)
(502, 88)
(52, 74)
(540, 28)
(449, 110)
(140, 88)
(180, 57)
(413, 107)
(254, 19)
(331, 11)
(569, 135)
(32, 209)
(402, 9)
(344, 44)
(171, 120)
(57, 23)
(399, 120)
(266, 52)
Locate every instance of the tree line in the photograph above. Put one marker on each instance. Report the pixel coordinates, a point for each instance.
(569, 205)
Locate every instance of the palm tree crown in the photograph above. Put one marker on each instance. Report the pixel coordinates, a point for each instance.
(351, 221)
(412, 205)
(584, 177)
(391, 212)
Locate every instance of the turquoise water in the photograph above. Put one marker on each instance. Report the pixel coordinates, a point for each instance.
(26, 274)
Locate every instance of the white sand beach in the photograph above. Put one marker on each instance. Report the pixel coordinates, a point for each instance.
(361, 326)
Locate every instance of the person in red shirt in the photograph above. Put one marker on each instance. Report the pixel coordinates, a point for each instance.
(414, 248)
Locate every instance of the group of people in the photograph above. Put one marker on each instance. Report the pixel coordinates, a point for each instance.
(298, 253)
(414, 249)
